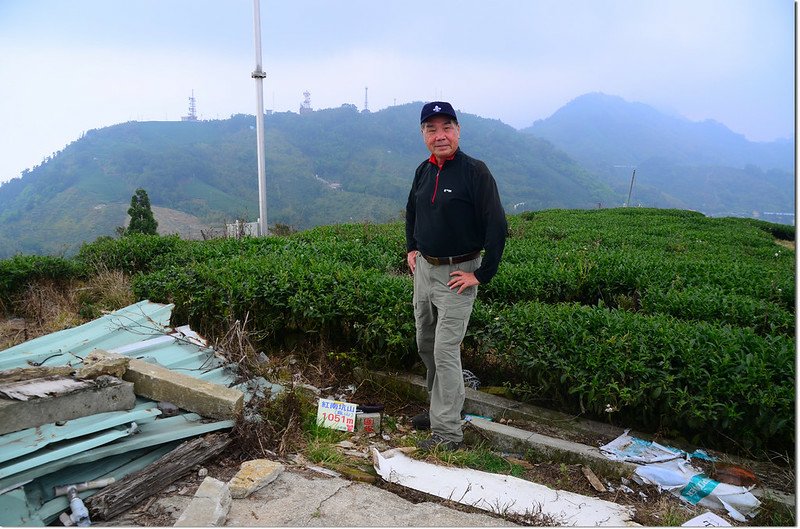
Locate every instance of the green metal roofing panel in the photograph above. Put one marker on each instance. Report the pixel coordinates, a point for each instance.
(54, 453)
(132, 324)
(16, 444)
(139, 331)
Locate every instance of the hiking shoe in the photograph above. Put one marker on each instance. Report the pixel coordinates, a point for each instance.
(437, 442)
(422, 421)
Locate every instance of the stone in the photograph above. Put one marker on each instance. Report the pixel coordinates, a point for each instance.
(254, 475)
(209, 507)
(100, 362)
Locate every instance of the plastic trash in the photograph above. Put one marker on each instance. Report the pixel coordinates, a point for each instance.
(688, 483)
(635, 450)
(80, 514)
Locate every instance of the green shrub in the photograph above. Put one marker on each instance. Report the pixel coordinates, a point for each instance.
(131, 254)
(669, 320)
(708, 382)
(19, 271)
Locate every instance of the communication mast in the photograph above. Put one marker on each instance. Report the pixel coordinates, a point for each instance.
(192, 109)
(366, 101)
(305, 107)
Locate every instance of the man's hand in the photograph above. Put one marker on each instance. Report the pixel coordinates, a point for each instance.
(412, 260)
(462, 280)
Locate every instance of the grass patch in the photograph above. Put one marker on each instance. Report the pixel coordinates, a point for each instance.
(480, 458)
(775, 514)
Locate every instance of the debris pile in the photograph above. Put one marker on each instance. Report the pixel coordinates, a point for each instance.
(91, 405)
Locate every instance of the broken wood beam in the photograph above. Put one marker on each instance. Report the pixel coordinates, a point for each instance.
(134, 488)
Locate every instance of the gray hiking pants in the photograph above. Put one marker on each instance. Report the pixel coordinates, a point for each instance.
(441, 318)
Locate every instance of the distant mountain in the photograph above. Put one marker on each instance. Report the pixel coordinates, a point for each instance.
(679, 163)
(324, 167)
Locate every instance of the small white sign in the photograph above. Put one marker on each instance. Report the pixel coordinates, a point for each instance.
(336, 414)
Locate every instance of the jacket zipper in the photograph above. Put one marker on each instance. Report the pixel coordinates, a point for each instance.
(436, 186)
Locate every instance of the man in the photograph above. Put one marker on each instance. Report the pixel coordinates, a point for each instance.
(453, 213)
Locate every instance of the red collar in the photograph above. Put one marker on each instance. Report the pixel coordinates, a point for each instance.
(433, 160)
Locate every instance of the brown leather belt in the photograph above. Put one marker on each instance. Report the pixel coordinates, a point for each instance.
(436, 261)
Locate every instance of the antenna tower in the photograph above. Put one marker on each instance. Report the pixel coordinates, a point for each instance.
(192, 109)
(366, 101)
(305, 107)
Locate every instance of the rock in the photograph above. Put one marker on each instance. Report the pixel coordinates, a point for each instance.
(253, 475)
(100, 362)
(209, 507)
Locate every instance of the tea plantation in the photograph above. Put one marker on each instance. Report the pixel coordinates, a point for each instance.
(657, 319)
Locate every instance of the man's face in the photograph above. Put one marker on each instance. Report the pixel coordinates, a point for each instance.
(441, 136)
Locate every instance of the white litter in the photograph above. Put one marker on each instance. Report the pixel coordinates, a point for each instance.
(635, 450)
(669, 469)
(707, 519)
(498, 493)
(688, 483)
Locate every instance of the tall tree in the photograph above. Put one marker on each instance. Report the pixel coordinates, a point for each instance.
(142, 219)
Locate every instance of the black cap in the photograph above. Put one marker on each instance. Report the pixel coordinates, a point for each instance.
(434, 108)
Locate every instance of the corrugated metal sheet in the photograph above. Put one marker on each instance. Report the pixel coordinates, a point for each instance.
(106, 444)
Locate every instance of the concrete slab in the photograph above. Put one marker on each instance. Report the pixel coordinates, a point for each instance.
(54, 399)
(510, 439)
(187, 392)
(305, 499)
(209, 507)
(100, 362)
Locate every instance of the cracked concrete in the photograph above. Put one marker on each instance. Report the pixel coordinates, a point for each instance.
(308, 499)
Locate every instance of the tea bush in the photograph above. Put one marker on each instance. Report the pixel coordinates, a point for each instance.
(700, 380)
(660, 319)
(19, 271)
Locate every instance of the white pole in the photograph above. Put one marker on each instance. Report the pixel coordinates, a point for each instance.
(259, 75)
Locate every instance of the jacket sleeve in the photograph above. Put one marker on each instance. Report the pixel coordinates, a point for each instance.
(494, 221)
(411, 216)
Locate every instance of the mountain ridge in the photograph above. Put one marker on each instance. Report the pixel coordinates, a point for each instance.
(610, 136)
(208, 169)
(340, 165)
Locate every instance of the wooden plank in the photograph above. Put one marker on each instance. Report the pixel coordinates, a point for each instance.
(133, 489)
(593, 481)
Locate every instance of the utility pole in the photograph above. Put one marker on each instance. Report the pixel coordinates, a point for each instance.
(259, 75)
(633, 177)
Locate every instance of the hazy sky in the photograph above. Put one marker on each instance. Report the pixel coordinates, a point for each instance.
(70, 66)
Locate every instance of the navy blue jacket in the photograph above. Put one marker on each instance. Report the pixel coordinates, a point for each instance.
(456, 210)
